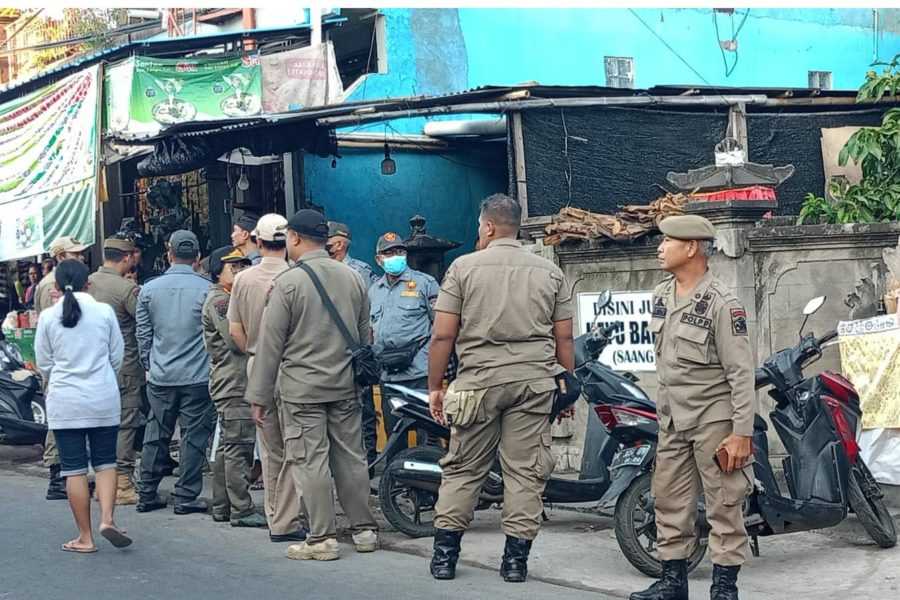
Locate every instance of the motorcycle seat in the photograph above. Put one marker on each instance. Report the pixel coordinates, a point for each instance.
(759, 424)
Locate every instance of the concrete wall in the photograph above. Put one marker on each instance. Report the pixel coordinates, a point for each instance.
(775, 271)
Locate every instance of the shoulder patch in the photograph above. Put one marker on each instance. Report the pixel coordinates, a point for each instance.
(221, 306)
(696, 320)
(659, 308)
(738, 321)
(411, 285)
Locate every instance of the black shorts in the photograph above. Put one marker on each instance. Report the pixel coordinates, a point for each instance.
(73, 449)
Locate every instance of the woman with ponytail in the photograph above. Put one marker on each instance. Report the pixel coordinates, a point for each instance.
(79, 348)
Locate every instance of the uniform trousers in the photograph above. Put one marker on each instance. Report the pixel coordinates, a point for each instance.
(234, 459)
(684, 468)
(514, 417)
(324, 450)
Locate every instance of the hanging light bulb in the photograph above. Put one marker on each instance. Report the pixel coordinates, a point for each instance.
(243, 183)
(388, 166)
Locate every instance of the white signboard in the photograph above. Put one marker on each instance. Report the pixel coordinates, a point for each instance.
(632, 346)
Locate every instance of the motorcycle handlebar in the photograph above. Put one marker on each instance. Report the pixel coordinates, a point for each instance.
(827, 338)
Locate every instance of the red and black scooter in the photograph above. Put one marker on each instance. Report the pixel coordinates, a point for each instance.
(817, 419)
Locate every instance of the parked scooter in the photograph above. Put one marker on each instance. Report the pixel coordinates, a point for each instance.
(817, 419)
(23, 417)
(409, 485)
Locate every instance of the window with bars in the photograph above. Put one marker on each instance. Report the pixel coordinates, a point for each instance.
(619, 71)
(820, 80)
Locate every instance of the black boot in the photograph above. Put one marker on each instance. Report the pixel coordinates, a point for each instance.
(446, 553)
(673, 585)
(56, 490)
(724, 585)
(514, 567)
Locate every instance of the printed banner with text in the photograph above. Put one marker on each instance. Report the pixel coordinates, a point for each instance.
(48, 170)
(632, 345)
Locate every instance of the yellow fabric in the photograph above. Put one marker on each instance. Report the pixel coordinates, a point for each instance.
(870, 358)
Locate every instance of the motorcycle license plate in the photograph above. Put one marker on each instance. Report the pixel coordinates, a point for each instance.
(412, 465)
(630, 457)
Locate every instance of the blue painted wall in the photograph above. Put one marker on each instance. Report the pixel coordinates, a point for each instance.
(438, 51)
(446, 190)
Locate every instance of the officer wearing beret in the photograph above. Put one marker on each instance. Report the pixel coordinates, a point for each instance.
(109, 285)
(227, 383)
(338, 247)
(706, 401)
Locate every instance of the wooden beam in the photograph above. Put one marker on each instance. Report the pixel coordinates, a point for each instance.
(737, 127)
(518, 140)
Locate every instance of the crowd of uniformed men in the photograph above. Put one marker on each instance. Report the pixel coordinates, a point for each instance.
(253, 344)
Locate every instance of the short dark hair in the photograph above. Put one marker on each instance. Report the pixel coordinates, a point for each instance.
(502, 210)
(115, 255)
(272, 246)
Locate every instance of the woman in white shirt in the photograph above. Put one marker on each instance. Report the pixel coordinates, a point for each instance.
(79, 347)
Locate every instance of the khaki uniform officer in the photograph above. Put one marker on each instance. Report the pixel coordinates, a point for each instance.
(302, 350)
(245, 312)
(706, 401)
(45, 296)
(110, 286)
(510, 314)
(227, 383)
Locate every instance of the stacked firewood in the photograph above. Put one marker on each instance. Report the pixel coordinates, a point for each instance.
(632, 222)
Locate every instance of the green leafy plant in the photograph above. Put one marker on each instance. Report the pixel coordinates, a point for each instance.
(876, 198)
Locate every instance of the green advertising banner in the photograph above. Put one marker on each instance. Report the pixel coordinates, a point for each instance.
(48, 165)
(166, 91)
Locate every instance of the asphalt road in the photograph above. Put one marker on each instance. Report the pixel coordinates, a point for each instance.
(192, 557)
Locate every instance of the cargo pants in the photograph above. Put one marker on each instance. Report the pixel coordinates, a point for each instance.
(191, 406)
(234, 459)
(323, 447)
(130, 390)
(283, 499)
(684, 463)
(514, 417)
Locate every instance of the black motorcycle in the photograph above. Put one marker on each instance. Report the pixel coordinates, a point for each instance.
(817, 419)
(23, 414)
(409, 485)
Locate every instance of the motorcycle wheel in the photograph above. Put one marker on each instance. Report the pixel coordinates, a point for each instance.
(636, 530)
(867, 502)
(402, 505)
(39, 412)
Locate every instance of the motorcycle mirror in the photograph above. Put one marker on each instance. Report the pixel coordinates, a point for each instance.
(811, 307)
(604, 299)
(814, 305)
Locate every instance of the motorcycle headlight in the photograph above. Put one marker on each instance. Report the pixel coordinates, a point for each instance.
(635, 391)
(397, 403)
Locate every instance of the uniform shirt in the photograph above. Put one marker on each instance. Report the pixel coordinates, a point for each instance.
(299, 340)
(401, 313)
(169, 328)
(508, 299)
(46, 293)
(121, 294)
(248, 297)
(227, 364)
(81, 363)
(703, 357)
(363, 269)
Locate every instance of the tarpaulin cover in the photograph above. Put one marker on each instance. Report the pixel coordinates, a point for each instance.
(48, 170)
(615, 156)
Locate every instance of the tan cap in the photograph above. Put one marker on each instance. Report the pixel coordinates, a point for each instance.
(271, 228)
(688, 227)
(115, 243)
(66, 243)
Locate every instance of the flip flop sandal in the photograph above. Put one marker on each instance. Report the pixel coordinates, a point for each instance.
(67, 548)
(115, 537)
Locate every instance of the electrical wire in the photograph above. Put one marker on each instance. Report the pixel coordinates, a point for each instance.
(412, 142)
(734, 34)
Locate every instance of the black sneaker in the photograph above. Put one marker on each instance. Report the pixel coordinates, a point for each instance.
(194, 506)
(297, 536)
(144, 506)
(221, 518)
